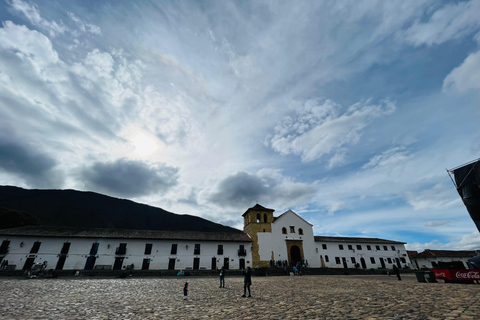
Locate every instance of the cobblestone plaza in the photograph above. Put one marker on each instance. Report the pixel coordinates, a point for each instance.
(307, 297)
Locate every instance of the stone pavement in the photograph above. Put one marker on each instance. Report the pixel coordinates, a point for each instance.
(307, 297)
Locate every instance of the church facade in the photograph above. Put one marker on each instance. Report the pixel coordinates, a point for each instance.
(289, 238)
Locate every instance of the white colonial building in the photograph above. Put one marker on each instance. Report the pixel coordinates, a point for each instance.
(266, 241)
(350, 252)
(79, 249)
(431, 258)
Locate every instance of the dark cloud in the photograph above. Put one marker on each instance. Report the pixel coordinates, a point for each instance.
(25, 161)
(129, 178)
(243, 189)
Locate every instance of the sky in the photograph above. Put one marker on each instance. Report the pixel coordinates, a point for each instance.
(346, 112)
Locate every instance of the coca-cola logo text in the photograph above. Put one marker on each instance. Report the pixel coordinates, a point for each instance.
(474, 275)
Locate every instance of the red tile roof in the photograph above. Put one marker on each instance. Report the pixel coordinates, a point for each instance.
(257, 207)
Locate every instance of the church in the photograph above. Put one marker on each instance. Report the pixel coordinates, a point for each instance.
(290, 238)
(265, 241)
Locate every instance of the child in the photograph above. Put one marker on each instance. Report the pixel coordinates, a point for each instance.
(185, 291)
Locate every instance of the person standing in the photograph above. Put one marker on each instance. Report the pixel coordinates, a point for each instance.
(222, 277)
(247, 282)
(185, 291)
(397, 272)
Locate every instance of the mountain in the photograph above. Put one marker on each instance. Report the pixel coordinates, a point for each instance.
(72, 208)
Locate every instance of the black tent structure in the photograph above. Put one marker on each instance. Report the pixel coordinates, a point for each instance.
(466, 179)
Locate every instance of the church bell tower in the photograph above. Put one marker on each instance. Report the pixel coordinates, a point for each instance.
(257, 220)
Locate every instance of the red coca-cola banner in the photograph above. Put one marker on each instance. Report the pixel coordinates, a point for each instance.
(457, 274)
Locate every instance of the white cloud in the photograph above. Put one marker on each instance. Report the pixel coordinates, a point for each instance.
(318, 129)
(464, 77)
(85, 26)
(466, 242)
(452, 21)
(30, 46)
(437, 197)
(390, 157)
(32, 13)
(437, 223)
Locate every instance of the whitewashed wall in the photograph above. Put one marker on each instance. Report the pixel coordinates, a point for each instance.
(333, 251)
(276, 241)
(419, 262)
(80, 248)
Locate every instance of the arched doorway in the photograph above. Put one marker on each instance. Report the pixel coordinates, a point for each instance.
(295, 254)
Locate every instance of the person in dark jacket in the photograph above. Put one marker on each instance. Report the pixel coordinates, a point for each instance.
(222, 277)
(397, 272)
(185, 291)
(247, 282)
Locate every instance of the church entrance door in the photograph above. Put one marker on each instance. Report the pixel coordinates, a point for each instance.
(295, 254)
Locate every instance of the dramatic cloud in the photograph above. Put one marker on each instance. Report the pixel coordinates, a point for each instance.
(208, 108)
(26, 160)
(129, 178)
(243, 190)
(319, 129)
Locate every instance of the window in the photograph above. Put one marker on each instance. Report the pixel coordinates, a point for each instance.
(350, 247)
(220, 249)
(369, 247)
(385, 248)
(377, 247)
(359, 247)
(292, 229)
(389, 260)
(241, 250)
(197, 248)
(121, 250)
(148, 248)
(265, 217)
(4, 246)
(35, 247)
(326, 259)
(300, 231)
(284, 230)
(258, 217)
(324, 246)
(65, 248)
(337, 260)
(393, 248)
(340, 246)
(372, 260)
(353, 260)
(403, 260)
(173, 250)
(94, 248)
